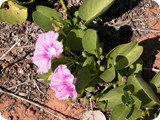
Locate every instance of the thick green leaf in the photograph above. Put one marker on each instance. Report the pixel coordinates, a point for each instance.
(101, 105)
(109, 74)
(89, 61)
(135, 114)
(74, 39)
(42, 21)
(143, 91)
(120, 112)
(121, 78)
(90, 42)
(91, 9)
(126, 54)
(135, 68)
(113, 97)
(137, 103)
(46, 76)
(14, 15)
(83, 79)
(155, 82)
(52, 13)
(87, 79)
(63, 32)
(45, 17)
(91, 86)
(136, 111)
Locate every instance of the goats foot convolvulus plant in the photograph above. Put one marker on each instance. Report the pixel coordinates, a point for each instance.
(73, 61)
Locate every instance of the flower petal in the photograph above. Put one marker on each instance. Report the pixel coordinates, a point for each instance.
(42, 62)
(63, 83)
(47, 48)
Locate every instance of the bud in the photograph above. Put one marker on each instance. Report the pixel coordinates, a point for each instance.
(102, 68)
(84, 54)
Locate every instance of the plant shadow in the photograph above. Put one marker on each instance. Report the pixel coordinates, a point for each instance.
(119, 8)
(150, 49)
(112, 38)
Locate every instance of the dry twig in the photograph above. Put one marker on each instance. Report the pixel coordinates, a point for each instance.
(1, 58)
(35, 104)
(19, 47)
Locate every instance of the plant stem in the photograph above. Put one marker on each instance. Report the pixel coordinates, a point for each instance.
(72, 53)
(108, 86)
(65, 8)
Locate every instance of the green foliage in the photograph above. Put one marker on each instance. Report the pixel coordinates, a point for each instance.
(122, 57)
(46, 76)
(45, 17)
(125, 55)
(90, 42)
(14, 14)
(109, 74)
(143, 91)
(123, 102)
(136, 111)
(91, 9)
(135, 68)
(86, 79)
(83, 54)
(120, 112)
(113, 97)
(74, 39)
(155, 82)
(83, 79)
(89, 61)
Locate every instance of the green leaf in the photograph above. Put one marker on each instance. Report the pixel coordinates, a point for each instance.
(89, 61)
(74, 39)
(109, 74)
(120, 112)
(14, 15)
(113, 97)
(143, 91)
(46, 76)
(137, 103)
(121, 78)
(101, 105)
(91, 86)
(83, 79)
(87, 79)
(90, 42)
(57, 62)
(91, 9)
(63, 32)
(135, 114)
(155, 82)
(135, 68)
(136, 111)
(45, 17)
(126, 54)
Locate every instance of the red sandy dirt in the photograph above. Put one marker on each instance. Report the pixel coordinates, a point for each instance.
(152, 23)
(17, 109)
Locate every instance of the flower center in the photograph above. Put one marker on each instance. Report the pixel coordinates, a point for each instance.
(51, 51)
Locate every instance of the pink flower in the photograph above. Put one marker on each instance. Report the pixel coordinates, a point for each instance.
(47, 47)
(63, 83)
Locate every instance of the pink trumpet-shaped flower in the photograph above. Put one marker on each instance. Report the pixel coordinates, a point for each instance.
(63, 83)
(47, 47)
